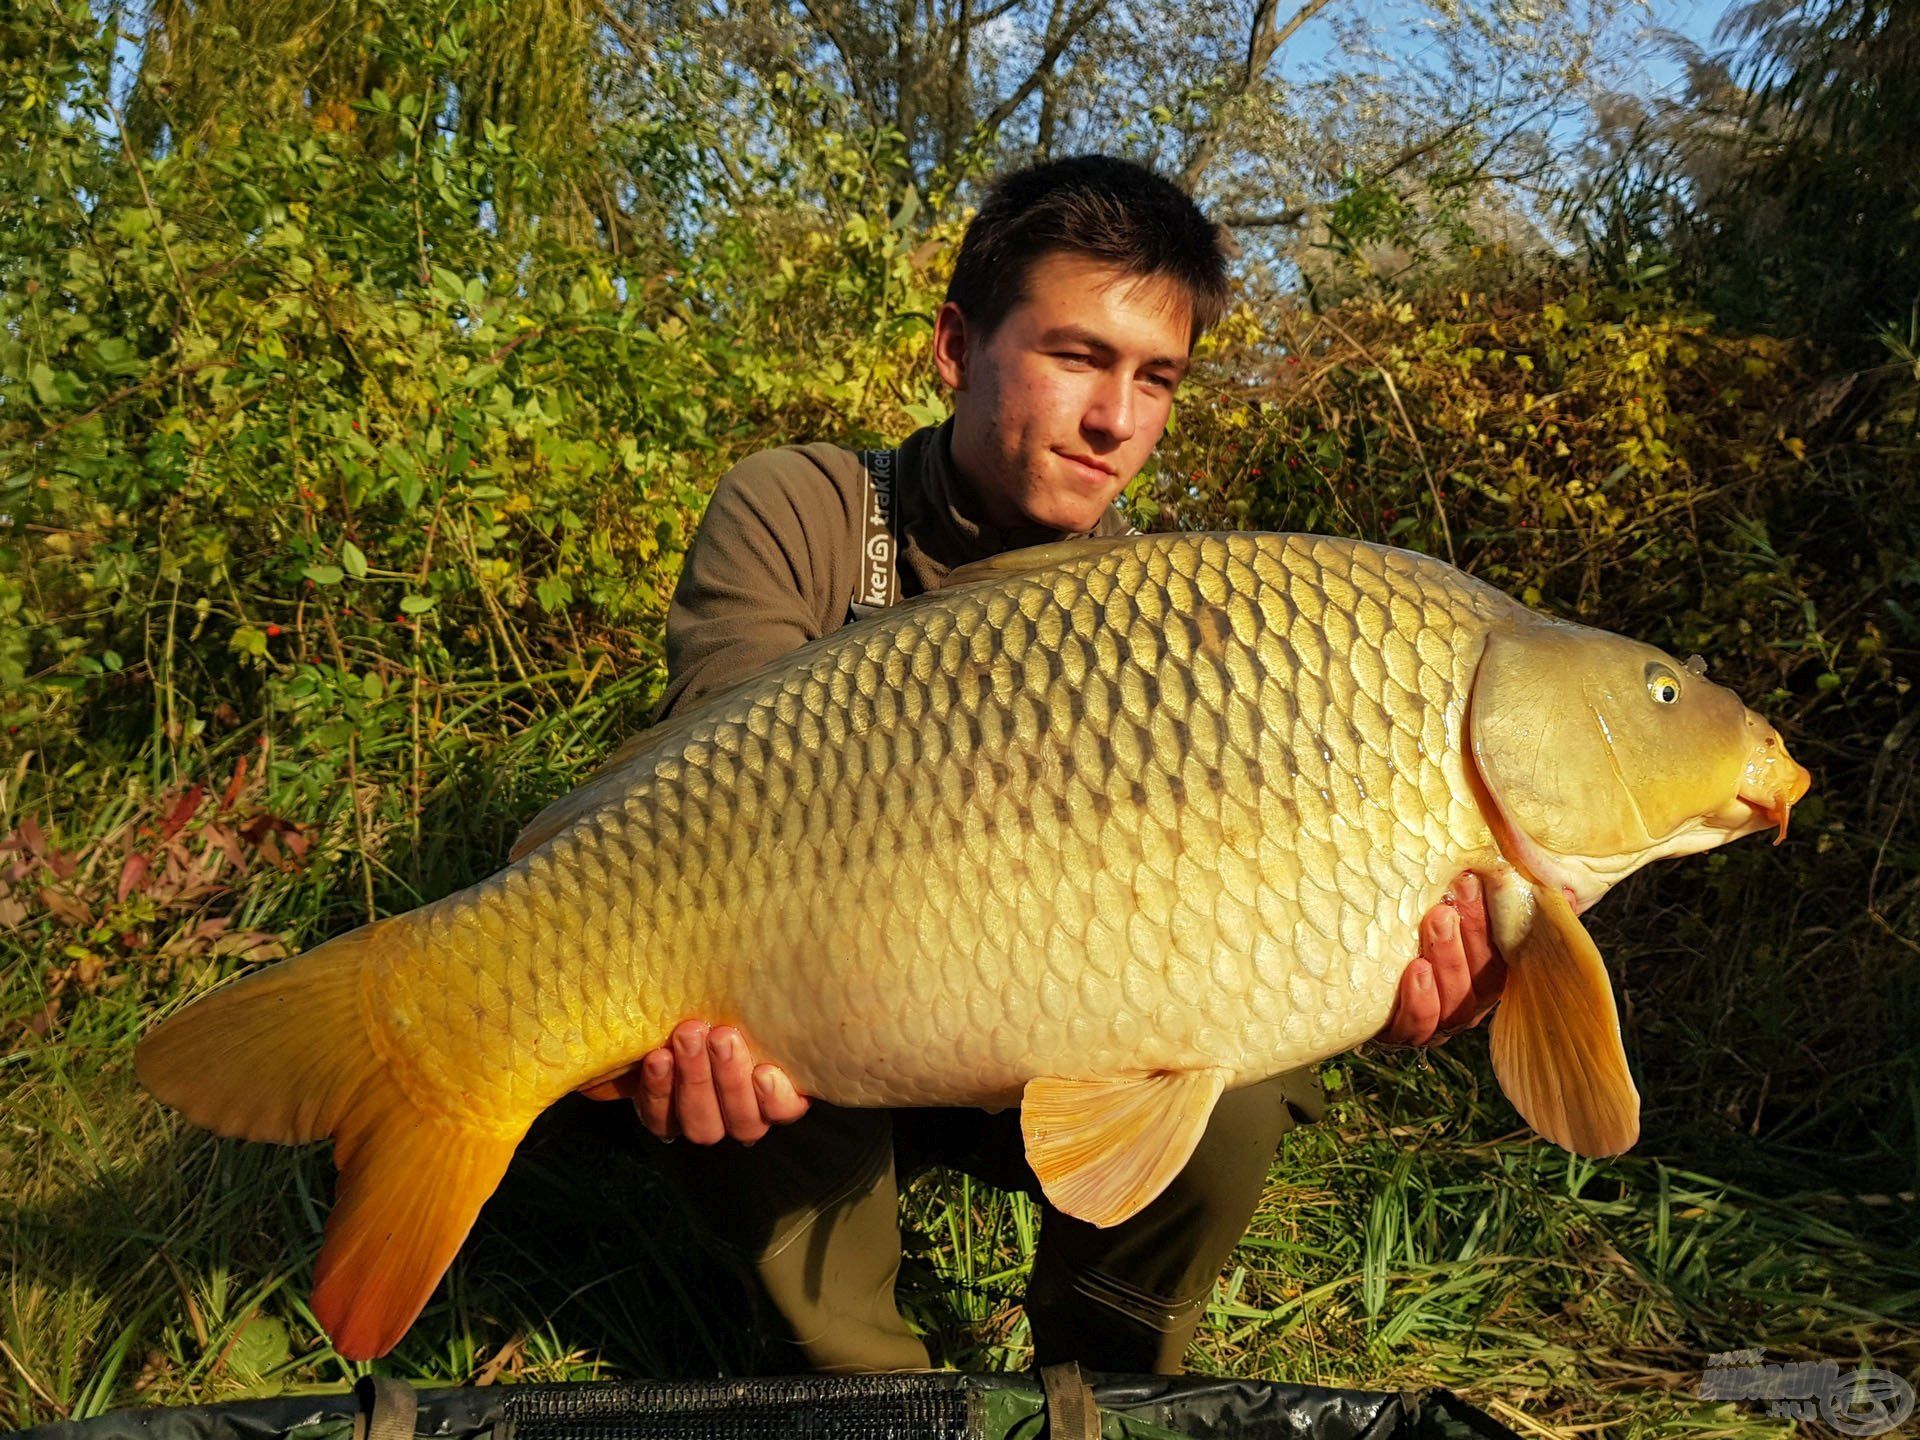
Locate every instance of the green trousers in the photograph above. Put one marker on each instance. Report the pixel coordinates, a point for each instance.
(813, 1212)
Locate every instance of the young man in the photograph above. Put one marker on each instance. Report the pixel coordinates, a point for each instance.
(1079, 291)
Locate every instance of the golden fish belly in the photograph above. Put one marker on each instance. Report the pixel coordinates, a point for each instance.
(1178, 803)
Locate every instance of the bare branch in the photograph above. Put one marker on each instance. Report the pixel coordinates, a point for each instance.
(1263, 40)
(1049, 94)
(1048, 59)
(830, 28)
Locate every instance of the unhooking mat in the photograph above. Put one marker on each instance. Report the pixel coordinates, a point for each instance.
(1061, 1403)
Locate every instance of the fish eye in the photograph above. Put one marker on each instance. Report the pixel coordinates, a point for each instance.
(1663, 684)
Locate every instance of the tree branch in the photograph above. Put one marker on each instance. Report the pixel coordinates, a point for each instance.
(1048, 59)
(1263, 39)
(830, 29)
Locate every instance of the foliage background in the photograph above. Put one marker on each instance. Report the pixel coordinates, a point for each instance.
(364, 370)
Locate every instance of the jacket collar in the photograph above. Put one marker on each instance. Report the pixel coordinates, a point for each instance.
(943, 524)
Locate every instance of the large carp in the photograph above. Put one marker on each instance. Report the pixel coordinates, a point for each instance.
(1100, 829)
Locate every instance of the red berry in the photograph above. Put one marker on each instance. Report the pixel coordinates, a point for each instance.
(272, 630)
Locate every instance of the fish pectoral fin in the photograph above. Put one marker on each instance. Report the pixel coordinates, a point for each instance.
(1103, 1149)
(1556, 1036)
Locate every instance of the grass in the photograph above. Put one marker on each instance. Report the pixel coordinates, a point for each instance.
(1417, 1236)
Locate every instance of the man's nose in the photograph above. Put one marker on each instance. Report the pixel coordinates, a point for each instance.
(1111, 412)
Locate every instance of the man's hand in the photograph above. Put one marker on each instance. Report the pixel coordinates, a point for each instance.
(1457, 978)
(704, 1085)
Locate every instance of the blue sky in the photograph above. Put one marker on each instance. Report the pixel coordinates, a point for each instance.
(1695, 19)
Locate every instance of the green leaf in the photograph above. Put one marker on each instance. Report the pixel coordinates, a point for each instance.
(40, 376)
(333, 734)
(416, 604)
(324, 574)
(353, 561)
(248, 641)
(258, 1348)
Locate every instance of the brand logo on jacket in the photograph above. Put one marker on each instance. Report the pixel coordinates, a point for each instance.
(877, 550)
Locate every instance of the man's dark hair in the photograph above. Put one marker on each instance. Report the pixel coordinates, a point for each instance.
(1095, 205)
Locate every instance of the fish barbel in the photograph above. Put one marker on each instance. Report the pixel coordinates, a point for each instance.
(1100, 829)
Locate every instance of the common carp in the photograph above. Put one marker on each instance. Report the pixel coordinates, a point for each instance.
(1101, 829)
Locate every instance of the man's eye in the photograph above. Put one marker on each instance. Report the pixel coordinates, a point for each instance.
(1160, 382)
(1073, 357)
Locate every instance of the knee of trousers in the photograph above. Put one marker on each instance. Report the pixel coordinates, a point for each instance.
(811, 1212)
(1059, 1289)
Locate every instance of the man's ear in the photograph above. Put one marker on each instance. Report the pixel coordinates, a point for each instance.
(951, 346)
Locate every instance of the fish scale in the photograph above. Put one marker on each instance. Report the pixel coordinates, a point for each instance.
(1179, 803)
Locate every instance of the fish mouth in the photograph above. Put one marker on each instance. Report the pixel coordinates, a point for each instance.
(1772, 782)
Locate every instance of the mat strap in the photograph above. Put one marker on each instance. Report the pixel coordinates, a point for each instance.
(1072, 1412)
(388, 1408)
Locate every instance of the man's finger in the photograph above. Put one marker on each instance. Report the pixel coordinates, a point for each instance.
(1416, 1009)
(733, 1082)
(1488, 970)
(695, 1105)
(1441, 947)
(780, 1103)
(655, 1100)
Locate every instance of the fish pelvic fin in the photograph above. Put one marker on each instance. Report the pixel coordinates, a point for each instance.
(1105, 1149)
(1556, 1035)
(287, 1055)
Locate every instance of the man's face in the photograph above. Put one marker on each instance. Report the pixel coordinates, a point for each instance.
(1059, 407)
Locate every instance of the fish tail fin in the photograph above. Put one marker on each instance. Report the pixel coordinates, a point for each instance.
(287, 1055)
